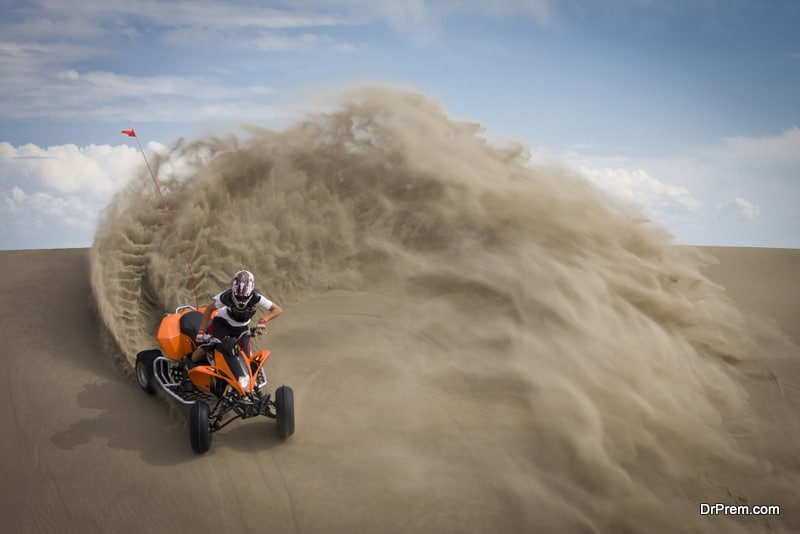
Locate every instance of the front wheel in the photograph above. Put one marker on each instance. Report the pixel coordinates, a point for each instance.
(284, 408)
(199, 432)
(144, 370)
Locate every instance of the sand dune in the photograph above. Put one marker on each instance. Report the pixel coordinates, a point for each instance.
(767, 286)
(380, 447)
(476, 345)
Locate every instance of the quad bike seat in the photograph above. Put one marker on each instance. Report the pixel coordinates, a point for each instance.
(190, 323)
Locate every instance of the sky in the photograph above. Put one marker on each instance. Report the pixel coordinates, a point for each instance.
(689, 108)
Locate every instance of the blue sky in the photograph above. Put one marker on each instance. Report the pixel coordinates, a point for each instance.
(690, 108)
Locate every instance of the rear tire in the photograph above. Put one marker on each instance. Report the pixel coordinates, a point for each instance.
(144, 370)
(284, 408)
(199, 433)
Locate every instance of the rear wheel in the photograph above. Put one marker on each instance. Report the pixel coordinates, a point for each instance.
(284, 408)
(199, 432)
(144, 370)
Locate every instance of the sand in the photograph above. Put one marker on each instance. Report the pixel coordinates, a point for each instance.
(476, 344)
(86, 451)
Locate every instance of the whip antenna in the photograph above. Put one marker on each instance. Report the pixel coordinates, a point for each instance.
(132, 133)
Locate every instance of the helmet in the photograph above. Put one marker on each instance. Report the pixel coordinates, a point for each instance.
(242, 287)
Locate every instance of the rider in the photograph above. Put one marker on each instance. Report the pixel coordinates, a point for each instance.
(236, 306)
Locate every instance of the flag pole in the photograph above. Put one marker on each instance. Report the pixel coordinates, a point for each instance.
(132, 133)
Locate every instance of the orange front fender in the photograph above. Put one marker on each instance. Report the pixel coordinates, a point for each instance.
(202, 374)
(260, 359)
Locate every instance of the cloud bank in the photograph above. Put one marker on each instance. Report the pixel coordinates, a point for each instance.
(740, 186)
(52, 195)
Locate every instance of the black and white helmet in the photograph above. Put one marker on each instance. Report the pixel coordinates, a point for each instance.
(242, 287)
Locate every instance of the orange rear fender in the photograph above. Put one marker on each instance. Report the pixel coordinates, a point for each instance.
(173, 343)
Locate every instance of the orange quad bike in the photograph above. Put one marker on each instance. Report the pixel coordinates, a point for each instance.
(230, 385)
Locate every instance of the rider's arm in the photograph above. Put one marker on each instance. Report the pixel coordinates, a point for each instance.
(206, 316)
(274, 311)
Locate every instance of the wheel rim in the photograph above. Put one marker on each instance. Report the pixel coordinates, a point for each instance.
(141, 374)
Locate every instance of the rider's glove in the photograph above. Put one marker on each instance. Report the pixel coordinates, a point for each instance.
(200, 336)
(261, 327)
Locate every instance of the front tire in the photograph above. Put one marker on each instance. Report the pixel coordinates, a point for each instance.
(199, 432)
(144, 370)
(284, 408)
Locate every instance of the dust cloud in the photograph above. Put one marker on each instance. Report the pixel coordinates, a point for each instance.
(589, 371)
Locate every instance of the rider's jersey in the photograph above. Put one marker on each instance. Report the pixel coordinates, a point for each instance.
(234, 317)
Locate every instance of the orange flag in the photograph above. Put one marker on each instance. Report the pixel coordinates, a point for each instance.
(129, 133)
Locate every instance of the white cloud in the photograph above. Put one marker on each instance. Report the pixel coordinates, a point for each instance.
(49, 26)
(48, 49)
(632, 181)
(782, 147)
(740, 188)
(17, 197)
(182, 22)
(582, 146)
(58, 190)
(404, 13)
(51, 197)
(638, 186)
(230, 15)
(747, 209)
(107, 96)
(420, 20)
(94, 170)
(69, 209)
(111, 85)
(83, 15)
(282, 42)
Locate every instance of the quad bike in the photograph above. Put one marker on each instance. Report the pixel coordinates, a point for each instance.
(230, 386)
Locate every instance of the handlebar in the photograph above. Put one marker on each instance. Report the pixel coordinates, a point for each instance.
(210, 341)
